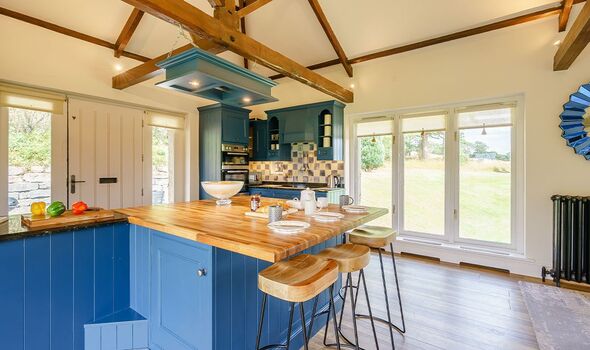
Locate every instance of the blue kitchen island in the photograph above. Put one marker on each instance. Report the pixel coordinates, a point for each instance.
(178, 276)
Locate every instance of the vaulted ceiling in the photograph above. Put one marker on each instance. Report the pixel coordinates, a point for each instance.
(289, 26)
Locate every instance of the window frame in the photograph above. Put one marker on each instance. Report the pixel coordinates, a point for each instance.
(452, 168)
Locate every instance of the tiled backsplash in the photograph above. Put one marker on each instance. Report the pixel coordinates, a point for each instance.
(303, 167)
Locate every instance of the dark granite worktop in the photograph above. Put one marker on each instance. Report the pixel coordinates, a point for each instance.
(298, 186)
(12, 229)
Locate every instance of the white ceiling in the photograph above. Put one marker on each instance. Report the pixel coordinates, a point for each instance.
(289, 26)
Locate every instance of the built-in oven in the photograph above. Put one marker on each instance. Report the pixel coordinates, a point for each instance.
(234, 156)
(234, 164)
(236, 175)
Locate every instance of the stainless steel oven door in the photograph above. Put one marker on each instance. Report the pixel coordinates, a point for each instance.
(236, 175)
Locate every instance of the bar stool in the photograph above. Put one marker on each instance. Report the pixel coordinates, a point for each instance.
(379, 237)
(350, 258)
(297, 280)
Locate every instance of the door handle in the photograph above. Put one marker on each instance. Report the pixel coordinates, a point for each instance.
(73, 183)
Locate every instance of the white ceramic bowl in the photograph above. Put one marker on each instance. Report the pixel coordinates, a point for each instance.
(222, 190)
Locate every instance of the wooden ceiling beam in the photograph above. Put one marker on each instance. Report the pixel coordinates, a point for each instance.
(242, 4)
(69, 32)
(575, 41)
(216, 3)
(319, 13)
(564, 15)
(533, 16)
(248, 9)
(128, 30)
(199, 23)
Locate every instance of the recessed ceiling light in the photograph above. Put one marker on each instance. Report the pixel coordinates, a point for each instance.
(247, 99)
(118, 67)
(194, 83)
(557, 43)
(352, 85)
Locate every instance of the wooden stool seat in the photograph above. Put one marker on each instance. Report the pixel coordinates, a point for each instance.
(350, 257)
(372, 236)
(298, 279)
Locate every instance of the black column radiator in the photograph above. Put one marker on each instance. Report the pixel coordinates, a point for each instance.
(571, 239)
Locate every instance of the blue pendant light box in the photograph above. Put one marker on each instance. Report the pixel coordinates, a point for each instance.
(199, 73)
(573, 123)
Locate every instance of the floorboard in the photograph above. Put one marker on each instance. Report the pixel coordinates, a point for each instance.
(446, 307)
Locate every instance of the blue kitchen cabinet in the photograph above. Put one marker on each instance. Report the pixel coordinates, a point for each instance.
(219, 124)
(321, 123)
(281, 193)
(259, 135)
(181, 313)
(234, 127)
(277, 149)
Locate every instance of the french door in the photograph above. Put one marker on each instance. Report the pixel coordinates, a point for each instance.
(446, 175)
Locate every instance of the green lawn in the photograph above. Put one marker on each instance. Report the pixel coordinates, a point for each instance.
(484, 198)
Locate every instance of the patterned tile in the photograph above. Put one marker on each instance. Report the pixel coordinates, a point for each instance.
(303, 156)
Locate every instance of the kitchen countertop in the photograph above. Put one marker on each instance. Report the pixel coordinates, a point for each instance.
(227, 227)
(12, 229)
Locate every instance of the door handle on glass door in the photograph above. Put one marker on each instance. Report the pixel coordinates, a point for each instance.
(73, 183)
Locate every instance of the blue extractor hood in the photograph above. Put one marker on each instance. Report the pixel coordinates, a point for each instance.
(199, 73)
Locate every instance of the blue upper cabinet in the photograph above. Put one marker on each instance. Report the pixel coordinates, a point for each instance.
(321, 123)
(234, 127)
(258, 143)
(277, 149)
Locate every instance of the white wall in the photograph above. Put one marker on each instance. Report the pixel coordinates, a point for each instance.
(506, 62)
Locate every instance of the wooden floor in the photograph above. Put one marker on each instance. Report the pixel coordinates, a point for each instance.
(446, 307)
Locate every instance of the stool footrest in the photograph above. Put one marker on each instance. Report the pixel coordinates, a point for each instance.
(375, 318)
(274, 346)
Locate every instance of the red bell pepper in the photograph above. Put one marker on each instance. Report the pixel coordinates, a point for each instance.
(79, 208)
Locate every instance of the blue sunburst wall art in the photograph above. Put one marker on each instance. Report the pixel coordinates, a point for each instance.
(574, 124)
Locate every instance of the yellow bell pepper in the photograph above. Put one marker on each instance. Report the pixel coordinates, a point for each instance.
(38, 208)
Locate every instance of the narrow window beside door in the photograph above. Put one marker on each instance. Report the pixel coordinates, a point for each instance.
(29, 159)
(161, 165)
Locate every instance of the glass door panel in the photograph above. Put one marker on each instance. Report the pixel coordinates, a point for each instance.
(485, 175)
(29, 159)
(424, 174)
(161, 165)
(375, 141)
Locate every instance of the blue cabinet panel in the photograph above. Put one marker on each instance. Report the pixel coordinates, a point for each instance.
(12, 294)
(49, 291)
(84, 286)
(140, 247)
(259, 134)
(62, 290)
(281, 193)
(37, 289)
(104, 277)
(181, 310)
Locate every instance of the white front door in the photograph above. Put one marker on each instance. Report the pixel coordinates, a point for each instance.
(105, 152)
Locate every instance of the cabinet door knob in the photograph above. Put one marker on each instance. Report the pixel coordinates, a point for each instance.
(201, 272)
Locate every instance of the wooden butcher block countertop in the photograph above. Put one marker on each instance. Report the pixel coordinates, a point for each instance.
(227, 227)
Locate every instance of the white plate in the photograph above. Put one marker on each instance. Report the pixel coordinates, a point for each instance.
(288, 226)
(355, 208)
(327, 216)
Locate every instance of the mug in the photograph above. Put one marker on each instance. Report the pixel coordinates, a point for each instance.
(309, 207)
(322, 202)
(346, 200)
(275, 213)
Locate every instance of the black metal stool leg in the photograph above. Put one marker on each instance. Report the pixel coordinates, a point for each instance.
(261, 322)
(399, 295)
(333, 315)
(353, 304)
(292, 307)
(313, 315)
(362, 275)
(386, 298)
(303, 328)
